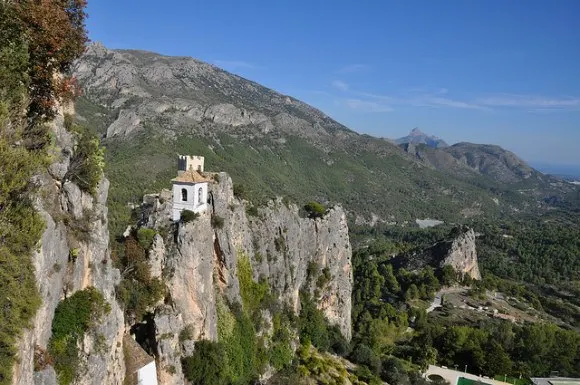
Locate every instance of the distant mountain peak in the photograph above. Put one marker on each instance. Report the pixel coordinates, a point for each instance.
(416, 132)
(416, 136)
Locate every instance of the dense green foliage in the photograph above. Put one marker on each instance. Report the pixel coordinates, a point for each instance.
(252, 293)
(384, 298)
(138, 291)
(73, 317)
(535, 261)
(281, 352)
(204, 367)
(31, 54)
(382, 305)
(531, 252)
(237, 334)
(498, 348)
(87, 162)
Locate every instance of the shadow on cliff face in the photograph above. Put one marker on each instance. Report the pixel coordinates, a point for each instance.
(145, 334)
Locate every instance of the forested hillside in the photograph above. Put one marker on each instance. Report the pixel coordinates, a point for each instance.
(387, 300)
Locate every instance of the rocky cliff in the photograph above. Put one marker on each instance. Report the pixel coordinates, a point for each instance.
(197, 262)
(200, 261)
(72, 256)
(459, 252)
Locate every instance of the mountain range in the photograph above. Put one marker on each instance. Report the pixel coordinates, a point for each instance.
(416, 136)
(148, 108)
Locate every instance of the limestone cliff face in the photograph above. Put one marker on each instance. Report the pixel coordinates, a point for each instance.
(462, 255)
(75, 221)
(200, 264)
(459, 252)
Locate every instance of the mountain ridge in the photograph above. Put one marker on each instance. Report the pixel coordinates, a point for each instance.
(150, 107)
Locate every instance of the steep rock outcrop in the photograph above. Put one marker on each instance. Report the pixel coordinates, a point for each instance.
(459, 252)
(462, 255)
(200, 264)
(73, 255)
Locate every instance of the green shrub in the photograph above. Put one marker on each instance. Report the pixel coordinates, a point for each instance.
(138, 291)
(324, 278)
(237, 334)
(313, 326)
(217, 221)
(252, 211)
(280, 243)
(281, 350)
(188, 216)
(26, 51)
(73, 317)
(206, 366)
(252, 293)
(145, 237)
(312, 270)
(186, 333)
(239, 190)
(88, 160)
(315, 209)
(138, 296)
(73, 254)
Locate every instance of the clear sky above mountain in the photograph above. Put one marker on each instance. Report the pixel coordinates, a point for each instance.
(484, 71)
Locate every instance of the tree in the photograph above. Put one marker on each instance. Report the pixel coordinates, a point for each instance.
(56, 36)
(312, 324)
(497, 361)
(448, 276)
(205, 366)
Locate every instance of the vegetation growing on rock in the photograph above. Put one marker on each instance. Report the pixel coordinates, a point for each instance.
(73, 317)
(315, 209)
(138, 291)
(39, 40)
(87, 163)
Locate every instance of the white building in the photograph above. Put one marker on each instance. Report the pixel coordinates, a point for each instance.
(140, 367)
(190, 188)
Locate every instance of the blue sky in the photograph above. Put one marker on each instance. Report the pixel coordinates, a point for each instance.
(484, 71)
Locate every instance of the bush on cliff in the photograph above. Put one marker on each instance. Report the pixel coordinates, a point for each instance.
(138, 291)
(315, 209)
(205, 366)
(73, 317)
(88, 160)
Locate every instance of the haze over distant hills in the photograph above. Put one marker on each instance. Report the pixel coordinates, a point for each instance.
(149, 108)
(569, 171)
(416, 136)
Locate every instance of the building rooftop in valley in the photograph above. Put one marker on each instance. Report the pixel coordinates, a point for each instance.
(191, 176)
(556, 381)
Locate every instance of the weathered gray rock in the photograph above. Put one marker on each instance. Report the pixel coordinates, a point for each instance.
(200, 264)
(45, 377)
(73, 255)
(462, 255)
(157, 257)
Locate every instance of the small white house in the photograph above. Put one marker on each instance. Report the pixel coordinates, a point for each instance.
(190, 188)
(140, 367)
